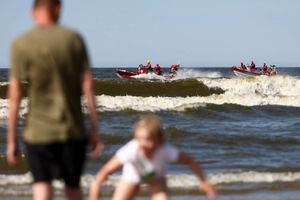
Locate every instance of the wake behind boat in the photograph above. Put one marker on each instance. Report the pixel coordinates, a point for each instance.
(249, 71)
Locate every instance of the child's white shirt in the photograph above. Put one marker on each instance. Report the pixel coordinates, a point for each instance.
(137, 167)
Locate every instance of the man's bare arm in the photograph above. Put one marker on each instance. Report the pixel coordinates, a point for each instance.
(88, 90)
(15, 97)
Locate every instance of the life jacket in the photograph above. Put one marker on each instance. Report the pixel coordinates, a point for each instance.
(243, 66)
(252, 66)
(265, 68)
(157, 70)
(148, 68)
(141, 70)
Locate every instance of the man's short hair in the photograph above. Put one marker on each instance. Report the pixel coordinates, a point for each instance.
(46, 3)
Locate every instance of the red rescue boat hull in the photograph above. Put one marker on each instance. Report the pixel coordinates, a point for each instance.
(127, 74)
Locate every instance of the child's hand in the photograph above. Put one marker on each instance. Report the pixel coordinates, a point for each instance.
(209, 189)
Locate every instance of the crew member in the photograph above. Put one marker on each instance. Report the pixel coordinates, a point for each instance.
(157, 70)
(243, 66)
(272, 70)
(265, 68)
(148, 67)
(141, 69)
(252, 67)
(174, 69)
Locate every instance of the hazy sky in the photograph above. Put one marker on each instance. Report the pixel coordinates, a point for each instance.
(201, 33)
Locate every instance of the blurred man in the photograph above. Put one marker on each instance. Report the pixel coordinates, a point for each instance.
(53, 61)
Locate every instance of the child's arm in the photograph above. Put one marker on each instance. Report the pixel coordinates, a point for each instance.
(112, 165)
(190, 161)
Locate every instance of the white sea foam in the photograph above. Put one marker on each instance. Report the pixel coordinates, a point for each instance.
(4, 108)
(181, 104)
(20, 185)
(3, 83)
(184, 181)
(178, 104)
(191, 73)
(181, 74)
(261, 85)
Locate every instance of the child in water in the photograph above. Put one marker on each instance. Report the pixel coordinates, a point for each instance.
(145, 159)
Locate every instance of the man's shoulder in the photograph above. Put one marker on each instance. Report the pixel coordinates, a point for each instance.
(67, 30)
(21, 39)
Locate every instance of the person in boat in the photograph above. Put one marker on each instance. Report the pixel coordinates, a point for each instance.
(157, 69)
(141, 69)
(174, 69)
(243, 66)
(253, 67)
(272, 67)
(148, 67)
(265, 68)
(272, 70)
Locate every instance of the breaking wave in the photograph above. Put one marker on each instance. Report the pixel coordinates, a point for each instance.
(16, 184)
(171, 104)
(173, 97)
(254, 91)
(261, 85)
(177, 88)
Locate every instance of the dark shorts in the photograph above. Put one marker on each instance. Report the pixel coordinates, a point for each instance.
(62, 160)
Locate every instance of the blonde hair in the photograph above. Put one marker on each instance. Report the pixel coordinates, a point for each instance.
(152, 124)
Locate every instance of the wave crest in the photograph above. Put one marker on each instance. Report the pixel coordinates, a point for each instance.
(261, 85)
(176, 180)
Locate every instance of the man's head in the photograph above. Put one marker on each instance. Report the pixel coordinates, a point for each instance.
(46, 12)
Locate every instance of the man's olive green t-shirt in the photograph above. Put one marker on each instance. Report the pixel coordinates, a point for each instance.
(51, 59)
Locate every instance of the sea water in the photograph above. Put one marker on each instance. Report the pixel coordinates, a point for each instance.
(243, 131)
